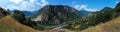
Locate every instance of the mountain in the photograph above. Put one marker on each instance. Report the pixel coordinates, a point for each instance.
(56, 14)
(29, 14)
(117, 8)
(107, 9)
(84, 12)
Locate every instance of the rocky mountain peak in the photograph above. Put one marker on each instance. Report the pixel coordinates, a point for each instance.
(56, 14)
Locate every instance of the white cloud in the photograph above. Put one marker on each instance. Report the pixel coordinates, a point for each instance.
(43, 3)
(32, 1)
(16, 1)
(84, 7)
(27, 5)
(117, 2)
(80, 7)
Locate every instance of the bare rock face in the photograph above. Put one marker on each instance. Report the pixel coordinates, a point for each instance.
(3, 12)
(56, 14)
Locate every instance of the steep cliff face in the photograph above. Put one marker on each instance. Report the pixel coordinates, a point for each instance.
(56, 14)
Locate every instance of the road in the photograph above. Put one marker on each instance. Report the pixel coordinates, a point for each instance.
(61, 25)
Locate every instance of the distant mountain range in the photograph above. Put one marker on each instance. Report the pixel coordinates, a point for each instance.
(27, 13)
(84, 12)
(55, 14)
(33, 13)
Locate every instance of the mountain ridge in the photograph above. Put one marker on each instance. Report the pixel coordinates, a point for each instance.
(57, 13)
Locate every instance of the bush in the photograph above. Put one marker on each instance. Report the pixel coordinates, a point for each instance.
(30, 23)
(18, 15)
(39, 27)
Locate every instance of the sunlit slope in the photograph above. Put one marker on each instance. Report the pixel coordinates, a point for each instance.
(8, 24)
(111, 26)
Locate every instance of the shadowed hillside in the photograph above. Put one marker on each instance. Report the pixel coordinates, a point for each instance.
(111, 26)
(56, 14)
(8, 24)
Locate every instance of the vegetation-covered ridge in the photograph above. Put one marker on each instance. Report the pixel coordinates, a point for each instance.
(110, 26)
(95, 18)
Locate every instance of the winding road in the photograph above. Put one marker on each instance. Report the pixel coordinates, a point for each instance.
(61, 25)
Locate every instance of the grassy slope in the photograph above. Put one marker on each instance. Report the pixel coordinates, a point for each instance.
(111, 26)
(8, 24)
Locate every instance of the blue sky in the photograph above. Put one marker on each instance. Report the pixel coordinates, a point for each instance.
(33, 5)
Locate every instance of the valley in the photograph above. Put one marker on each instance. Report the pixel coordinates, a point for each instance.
(60, 18)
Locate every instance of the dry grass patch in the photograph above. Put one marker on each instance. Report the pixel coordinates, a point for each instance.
(8, 24)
